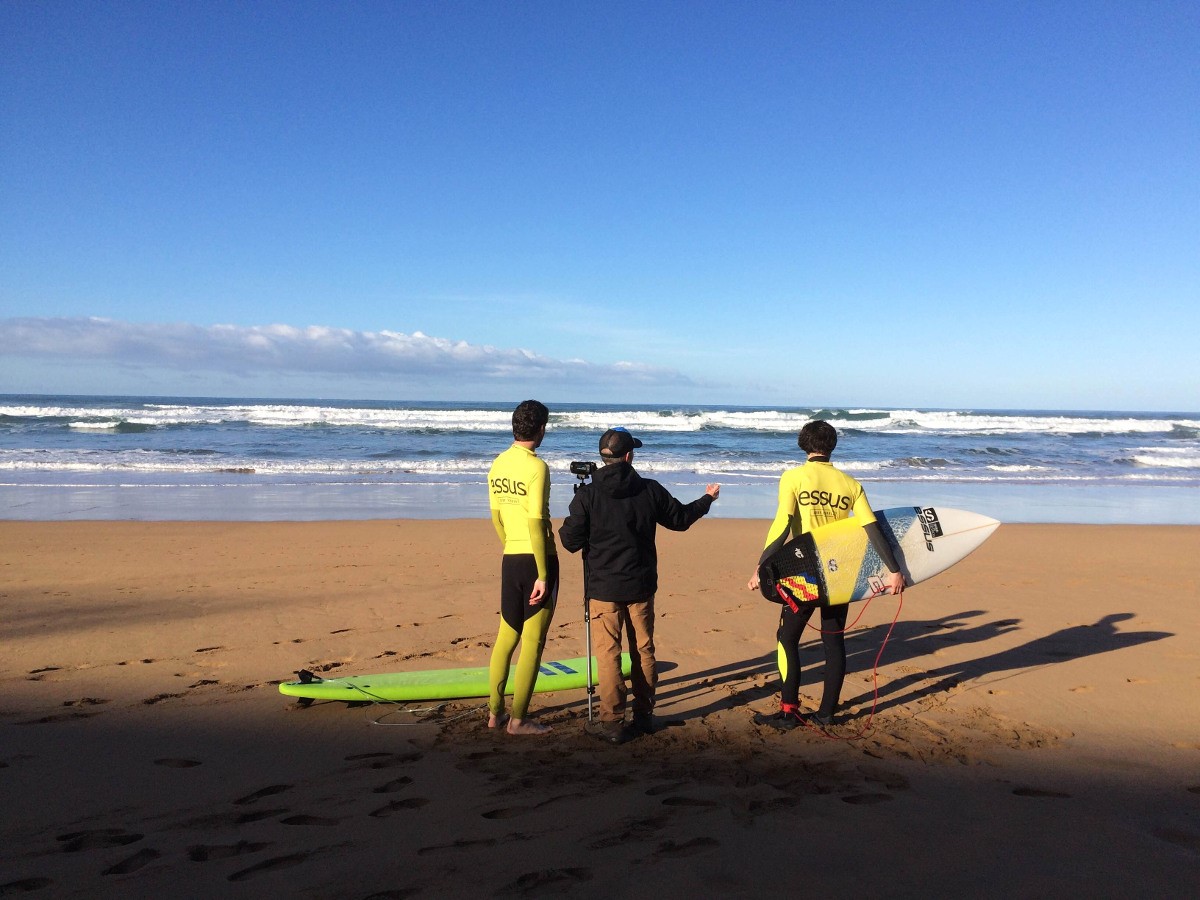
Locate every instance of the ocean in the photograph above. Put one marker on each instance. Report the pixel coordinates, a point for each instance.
(156, 458)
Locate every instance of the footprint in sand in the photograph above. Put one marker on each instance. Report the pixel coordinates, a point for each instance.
(556, 879)
(207, 649)
(172, 763)
(59, 717)
(689, 801)
(674, 850)
(635, 831)
(97, 839)
(204, 682)
(508, 812)
(207, 853)
(269, 791)
(1082, 689)
(1040, 792)
(394, 785)
(866, 799)
(269, 865)
(396, 806)
(258, 816)
(457, 845)
(24, 886)
(341, 630)
(309, 820)
(391, 760)
(159, 698)
(86, 701)
(143, 857)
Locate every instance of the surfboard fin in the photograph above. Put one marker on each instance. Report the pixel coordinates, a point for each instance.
(307, 677)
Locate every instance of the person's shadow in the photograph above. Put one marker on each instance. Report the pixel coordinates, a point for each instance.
(911, 639)
(1077, 641)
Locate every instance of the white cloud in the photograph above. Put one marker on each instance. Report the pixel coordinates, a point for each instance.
(314, 349)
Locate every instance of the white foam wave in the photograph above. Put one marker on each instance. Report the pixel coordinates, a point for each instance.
(667, 419)
(1166, 458)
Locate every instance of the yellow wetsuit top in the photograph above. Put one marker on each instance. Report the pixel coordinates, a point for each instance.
(519, 497)
(816, 494)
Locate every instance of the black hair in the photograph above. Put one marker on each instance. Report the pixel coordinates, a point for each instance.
(528, 419)
(817, 437)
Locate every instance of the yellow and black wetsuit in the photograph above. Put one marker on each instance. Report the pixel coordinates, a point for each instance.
(519, 492)
(810, 496)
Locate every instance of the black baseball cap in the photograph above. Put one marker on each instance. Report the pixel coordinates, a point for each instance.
(616, 442)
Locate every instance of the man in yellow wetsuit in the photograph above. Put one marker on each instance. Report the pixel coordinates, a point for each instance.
(519, 492)
(812, 495)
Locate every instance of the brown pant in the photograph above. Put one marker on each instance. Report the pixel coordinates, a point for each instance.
(609, 621)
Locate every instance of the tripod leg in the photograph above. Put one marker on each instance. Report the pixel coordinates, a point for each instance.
(587, 626)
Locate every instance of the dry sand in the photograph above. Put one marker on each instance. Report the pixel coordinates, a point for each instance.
(1037, 732)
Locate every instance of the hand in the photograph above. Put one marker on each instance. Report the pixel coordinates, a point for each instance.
(713, 490)
(538, 592)
(753, 583)
(894, 584)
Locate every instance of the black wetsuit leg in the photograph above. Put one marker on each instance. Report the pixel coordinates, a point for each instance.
(791, 629)
(833, 639)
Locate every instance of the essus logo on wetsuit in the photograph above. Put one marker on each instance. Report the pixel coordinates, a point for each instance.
(823, 498)
(508, 486)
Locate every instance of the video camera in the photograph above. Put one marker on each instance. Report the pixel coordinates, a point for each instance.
(583, 471)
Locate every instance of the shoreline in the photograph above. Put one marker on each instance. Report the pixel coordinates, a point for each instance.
(1082, 504)
(1038, 697)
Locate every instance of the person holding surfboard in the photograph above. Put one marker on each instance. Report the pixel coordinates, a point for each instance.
(613, 520)
(519, 498)
(810, 495)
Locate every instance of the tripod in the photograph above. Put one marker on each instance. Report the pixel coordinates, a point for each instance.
(583, 471)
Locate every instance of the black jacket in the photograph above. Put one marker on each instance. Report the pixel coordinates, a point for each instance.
(613, 521)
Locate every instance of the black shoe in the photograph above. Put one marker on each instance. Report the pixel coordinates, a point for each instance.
(822, 719)
(612, 732)
(782, 721)
(643, 723)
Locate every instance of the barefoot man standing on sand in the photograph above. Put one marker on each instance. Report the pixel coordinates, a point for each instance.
(519, 492)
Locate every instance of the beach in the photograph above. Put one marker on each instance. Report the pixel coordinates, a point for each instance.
(1035, 733)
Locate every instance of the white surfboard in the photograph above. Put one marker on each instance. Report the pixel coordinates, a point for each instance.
(836, 563)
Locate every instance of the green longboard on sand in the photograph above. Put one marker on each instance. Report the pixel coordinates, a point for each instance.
(439, 684)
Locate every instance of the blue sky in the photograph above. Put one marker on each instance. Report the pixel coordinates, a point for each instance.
(984, 204)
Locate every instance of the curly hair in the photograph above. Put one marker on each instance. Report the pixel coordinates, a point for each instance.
(528, 419)
(817, 437)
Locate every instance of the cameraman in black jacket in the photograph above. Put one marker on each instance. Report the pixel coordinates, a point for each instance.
(613, 520)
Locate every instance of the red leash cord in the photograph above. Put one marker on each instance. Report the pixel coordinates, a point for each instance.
(874, 669)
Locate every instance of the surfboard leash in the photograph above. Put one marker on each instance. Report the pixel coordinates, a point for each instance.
(425, 711)
(874, 670)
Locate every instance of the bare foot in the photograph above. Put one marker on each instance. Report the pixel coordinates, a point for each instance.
(497, 720)
(524, 726)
